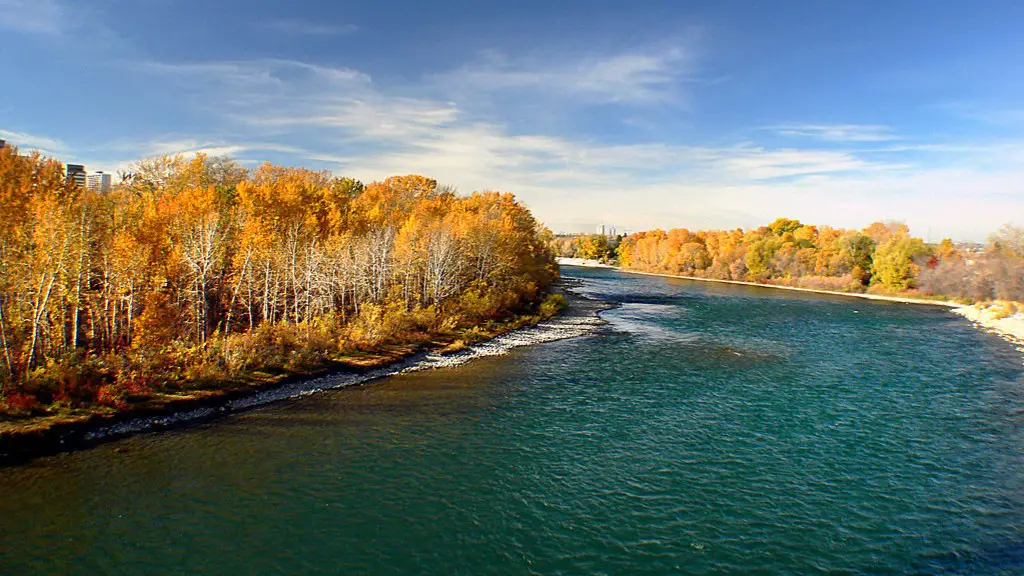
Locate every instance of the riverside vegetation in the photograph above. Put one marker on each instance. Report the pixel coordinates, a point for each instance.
(880, 259)
(197, 274)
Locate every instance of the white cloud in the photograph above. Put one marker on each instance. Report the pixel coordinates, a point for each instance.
(298, 27)
(250, 74)
(338, 118)
(837, 132)
(32, 16)
(641, 76)
(23, 140)
(762, 164)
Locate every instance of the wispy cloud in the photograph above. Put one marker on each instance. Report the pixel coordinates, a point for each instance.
(31, 16)
(643, 75)
(298, 27)
(243, 74)
(339, 118)
(837, 132)
(995, 114)
(752, 163)
(42, 143)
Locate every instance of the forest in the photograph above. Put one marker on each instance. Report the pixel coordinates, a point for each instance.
(882, 258)
(197, 271)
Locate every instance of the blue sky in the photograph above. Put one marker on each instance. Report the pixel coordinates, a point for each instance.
(636, 114)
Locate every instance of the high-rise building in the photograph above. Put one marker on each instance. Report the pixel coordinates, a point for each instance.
(2, 144)
(76, 174)
(99, 182)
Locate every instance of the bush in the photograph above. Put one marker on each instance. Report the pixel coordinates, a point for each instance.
(276, 347)
(378, 323)
(19, 403)
(552, 305)
(457, 346)
(1004, 309)
(110, 395)
(474, 335)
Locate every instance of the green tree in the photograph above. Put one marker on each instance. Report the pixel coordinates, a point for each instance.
(759, 258)
(894, 263)
(783, 225)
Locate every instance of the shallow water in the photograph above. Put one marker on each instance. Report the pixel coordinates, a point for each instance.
(707, 429)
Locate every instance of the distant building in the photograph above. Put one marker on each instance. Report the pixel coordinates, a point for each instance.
(76, 174)
(3, 143)
(99, 182)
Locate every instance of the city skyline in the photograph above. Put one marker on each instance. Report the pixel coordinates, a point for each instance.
(701, 115)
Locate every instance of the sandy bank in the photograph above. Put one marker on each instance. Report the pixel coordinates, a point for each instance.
(583, 262)
(991, 317)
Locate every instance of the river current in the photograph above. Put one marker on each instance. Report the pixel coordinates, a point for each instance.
(705, 429)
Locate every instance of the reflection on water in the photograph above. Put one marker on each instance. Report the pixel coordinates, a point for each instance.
(707, 429)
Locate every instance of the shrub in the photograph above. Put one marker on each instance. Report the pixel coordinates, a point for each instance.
(19, 403)
(457, 346)
(1002, 309)
(378, 323)
(474, 334)
(426, 319)
(110, 395)
(552, 305)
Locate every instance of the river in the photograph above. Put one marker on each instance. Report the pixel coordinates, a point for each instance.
(706, 429)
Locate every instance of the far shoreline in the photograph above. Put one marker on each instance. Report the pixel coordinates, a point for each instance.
(1010, 329)
(881, 297)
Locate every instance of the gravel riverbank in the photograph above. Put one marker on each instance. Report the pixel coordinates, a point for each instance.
(993, 318)
(578, 319)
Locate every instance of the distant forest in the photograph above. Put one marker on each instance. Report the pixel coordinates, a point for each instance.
(883, 257)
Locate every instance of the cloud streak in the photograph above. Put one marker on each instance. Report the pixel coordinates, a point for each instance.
(298, 27)
(42, 143)
(837, 132)
(640, 76)
(31, 16)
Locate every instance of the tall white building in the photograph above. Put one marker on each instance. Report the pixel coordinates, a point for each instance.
(99, 182)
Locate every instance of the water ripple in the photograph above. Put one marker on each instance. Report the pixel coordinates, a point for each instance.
(709, 430)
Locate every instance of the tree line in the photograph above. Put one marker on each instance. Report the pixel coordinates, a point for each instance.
(883, 257)
(199, 268)
(600, 247)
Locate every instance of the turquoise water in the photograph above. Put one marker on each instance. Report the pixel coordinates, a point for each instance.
(707, 429)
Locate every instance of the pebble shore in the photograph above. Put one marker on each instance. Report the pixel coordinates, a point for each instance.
(579, 319)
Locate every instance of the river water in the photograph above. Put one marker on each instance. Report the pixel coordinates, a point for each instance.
(706, 429)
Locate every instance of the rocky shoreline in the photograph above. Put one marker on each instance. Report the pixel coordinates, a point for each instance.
(993, 318)
(578, 319)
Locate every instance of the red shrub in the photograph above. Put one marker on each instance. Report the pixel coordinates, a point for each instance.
(21, 402)
(110, 395)
(136, 386)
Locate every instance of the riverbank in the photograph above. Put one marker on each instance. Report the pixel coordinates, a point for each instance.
(24, 439)
(880, 297)
(1003, 318)
(582, 262)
